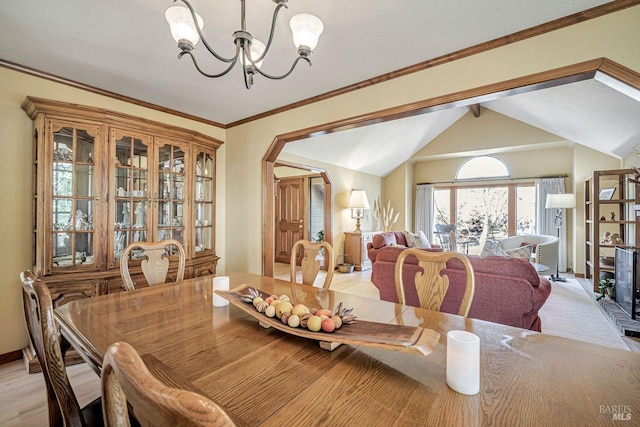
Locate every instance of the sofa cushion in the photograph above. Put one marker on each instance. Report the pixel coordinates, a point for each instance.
(384, 239)
(418, 240)
(505, 266)
(390, 254)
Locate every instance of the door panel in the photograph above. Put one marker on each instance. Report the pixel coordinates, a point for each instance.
(289, 216)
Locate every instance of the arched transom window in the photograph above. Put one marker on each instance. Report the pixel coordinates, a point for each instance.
(482, 167)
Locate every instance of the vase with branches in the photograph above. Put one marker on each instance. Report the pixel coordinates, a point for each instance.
(384, 214)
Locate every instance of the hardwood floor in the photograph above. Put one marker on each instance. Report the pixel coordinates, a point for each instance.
(357, 282)
(23, 396)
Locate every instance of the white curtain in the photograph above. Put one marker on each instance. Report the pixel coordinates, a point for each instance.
(545, 218)
(424, 210)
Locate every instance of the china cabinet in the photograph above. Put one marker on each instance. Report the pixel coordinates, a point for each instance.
(102, 180)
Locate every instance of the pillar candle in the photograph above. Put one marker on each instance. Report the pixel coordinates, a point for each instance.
(463, 362)
(220, 283)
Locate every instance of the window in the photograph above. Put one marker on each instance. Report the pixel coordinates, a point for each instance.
(507, 208)
(482, 167)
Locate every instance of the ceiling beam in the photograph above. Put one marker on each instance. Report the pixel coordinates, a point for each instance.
(475, 109)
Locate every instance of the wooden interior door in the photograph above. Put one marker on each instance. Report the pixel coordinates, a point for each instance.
(289, 216)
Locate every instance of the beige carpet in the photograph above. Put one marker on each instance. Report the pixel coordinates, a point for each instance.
(571, 313)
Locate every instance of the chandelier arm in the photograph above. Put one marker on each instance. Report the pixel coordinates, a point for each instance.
(204, 41)
(273, 30)
(269, 76)
(195, 63)
(248, 79)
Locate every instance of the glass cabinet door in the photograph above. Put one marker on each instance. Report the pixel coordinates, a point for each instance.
(170, 191)
(131, 216)
(204, 200)
(74, 195)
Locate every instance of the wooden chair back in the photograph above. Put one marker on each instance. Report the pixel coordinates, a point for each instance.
(447, 236)
(45, 338)
(309, 265)
(125, 378)
(430, 285)
(155, 264)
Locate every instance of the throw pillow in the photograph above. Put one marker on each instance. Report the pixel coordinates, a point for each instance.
(418, 240)
(523, 252)
(383, 239)
(492, 248)
(534, 246)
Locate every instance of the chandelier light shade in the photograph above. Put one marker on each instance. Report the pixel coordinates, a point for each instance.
(181, 24)
(306, 30)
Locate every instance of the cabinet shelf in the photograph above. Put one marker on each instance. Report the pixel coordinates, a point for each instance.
(615, 222)
(616, 201)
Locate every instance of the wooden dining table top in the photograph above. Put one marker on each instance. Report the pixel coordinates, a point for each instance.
(268, 377)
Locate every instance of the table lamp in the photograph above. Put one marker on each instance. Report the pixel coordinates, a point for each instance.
(559, 202)
(358, 202)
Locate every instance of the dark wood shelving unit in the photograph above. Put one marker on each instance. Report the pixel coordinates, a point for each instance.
(625, 196)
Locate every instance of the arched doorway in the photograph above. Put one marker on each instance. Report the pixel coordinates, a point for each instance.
(599, 69)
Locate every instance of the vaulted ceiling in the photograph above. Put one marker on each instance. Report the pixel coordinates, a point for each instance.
(125, 47)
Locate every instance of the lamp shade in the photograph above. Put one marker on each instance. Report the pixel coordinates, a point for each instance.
(306, 30)
(181, 24)
(561, 201)
(257, 48)
(358, 200)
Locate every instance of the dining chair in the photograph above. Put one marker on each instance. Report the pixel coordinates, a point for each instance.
(310, 265)
(155, 261)
(50, 350)
(126, 380)
(447, 236)
(431, 287)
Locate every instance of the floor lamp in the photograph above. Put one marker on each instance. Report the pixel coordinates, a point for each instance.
(559, 202)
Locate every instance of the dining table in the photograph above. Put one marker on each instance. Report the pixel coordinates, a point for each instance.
(269, 377)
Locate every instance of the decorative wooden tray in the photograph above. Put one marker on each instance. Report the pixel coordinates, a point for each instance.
(409, 339)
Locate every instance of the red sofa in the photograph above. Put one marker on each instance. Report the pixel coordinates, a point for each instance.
(391, 239)
(507, 290)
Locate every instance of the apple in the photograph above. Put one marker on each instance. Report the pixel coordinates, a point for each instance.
(324, 312)
(299, 309)
(314, 323)
(283, 307)
(328, 325)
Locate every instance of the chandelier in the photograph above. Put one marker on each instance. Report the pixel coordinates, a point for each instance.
(306, 31)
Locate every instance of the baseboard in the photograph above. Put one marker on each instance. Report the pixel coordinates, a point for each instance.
(579, 275)
(12, 356)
